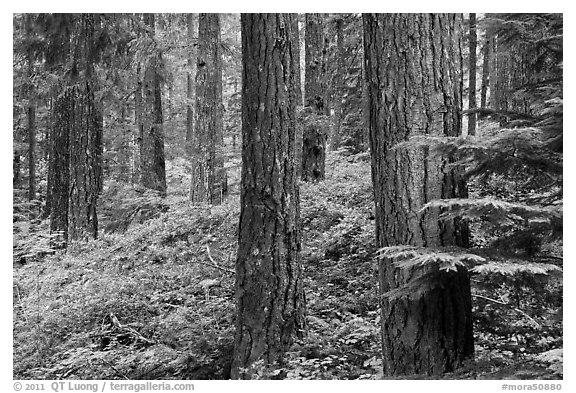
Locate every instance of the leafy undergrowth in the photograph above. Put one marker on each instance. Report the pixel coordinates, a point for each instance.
(153, 297)
(155, 302)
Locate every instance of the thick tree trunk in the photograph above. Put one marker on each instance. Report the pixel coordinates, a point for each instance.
(59, 167)
(511, 75)
(338, 84)
(208, 183)
(502, 87)
(152, 165)
(353, 132)
(405, 58)
(85, 168)
(473, 39)
(519, 60)
(314, 135)
(75, 166)
(190, 75)
(269, 293)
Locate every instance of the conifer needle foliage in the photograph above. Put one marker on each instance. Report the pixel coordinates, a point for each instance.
(407, 257)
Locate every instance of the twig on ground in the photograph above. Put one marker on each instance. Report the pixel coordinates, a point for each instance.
(490, 299)
(114, 369)
(214, 264)
(536, 324)
(130, 330)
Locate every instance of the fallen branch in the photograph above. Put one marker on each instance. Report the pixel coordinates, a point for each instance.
(130, 330)
(217, 267)
(490, 299)
(214, 264)
(536, 324)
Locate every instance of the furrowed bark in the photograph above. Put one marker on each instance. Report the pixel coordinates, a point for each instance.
(269, 293)
(414, 71)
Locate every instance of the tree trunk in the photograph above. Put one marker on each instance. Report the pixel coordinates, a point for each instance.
(472, 75)
(511, 75)
(519, 60)
(353, 131)
(48, 153)
(138, 134)
(209, 181)
(191, 26)
(169, 94)
(361, 136)
(324, 85)
(314, 135)
(85, 130)
(59, 168)
(502, 87)
(406, 56)
(31, 119)
(338, 84)
(269, 293)
(98, 142)
(75, 166)
(152, 165)
(486, 54)
(296, 57)
(31, 151)
(16, 163)
(493, 72)
(124, 162)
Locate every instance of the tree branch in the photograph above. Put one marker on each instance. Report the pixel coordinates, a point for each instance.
(536, 324)
(214, 264)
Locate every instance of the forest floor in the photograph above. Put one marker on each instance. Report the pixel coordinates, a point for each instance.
(153, 297)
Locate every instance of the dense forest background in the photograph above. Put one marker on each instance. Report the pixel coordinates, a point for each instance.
(287, 196)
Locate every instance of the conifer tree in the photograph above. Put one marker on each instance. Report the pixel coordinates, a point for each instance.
(472, 41)
(429, 330)
(269, 291)
(208, 174)
(152, 165)
(75, 166)
(314, 134)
